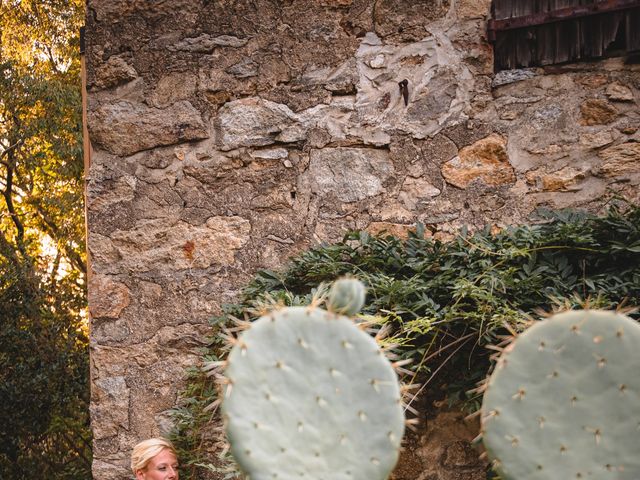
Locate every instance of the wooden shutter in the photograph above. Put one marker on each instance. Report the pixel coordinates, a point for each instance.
(529, 33)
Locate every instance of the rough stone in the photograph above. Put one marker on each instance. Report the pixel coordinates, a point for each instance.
(486, 160)
(125, 128)
(619, 93)
(547, 150)
(439, 84)
(107, 298)
(104, 256)
(399, 230)
(109, 406)
(118, 11)
(629, 129)
(351, 174)
(109, 192)
(548, 117)
(406, 18)
(506, 77)
(415, 191)
(599, 139)
(253, 122)
(377, 61)
(243, 69)
(620, 160)
(597, 112)
(334, 3)
(466, 9)
(270, 153)
(115, 71)
(207, 43)
(343, 79)
(594, 80)
(562, 180)
(340, 80)
(173, 88)
(160, 243)
(111, 470)
(392, 211)
(437, 98)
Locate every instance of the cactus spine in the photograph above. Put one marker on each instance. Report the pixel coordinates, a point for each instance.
(310, 395)
(564, 400)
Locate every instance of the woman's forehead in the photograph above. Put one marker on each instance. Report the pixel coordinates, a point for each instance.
(165, 456)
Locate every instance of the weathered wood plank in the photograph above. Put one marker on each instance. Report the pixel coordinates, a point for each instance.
(611, 27)
(523, 50)
(566, 40)
(633, 30)
(561, 13)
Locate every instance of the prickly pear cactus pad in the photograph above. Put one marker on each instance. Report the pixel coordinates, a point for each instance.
(347, 296)
(310, 396)
(564, 400)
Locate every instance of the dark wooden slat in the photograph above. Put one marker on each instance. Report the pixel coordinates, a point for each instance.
(562, 10)
(597, 38)
(548, 40)
(502, 53)
(610, 27)
(523, 51)
(633, 30)
(510, 50)
(581, 39)
(502, 9)
(562, 46)
(524, 8)
(593, 37)
(572, 39)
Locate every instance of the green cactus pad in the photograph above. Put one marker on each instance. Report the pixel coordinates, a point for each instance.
(310, 396)
(346, 297)
(564, 400)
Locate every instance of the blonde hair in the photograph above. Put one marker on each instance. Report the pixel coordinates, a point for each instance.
(144, 451)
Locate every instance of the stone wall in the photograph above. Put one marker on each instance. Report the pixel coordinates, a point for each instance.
(228, 135)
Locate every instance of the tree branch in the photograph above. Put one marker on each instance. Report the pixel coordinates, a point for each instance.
(7, 150)
(54, 271)
(52, 59)
(54, 232)
(7, 250)
(7, 194)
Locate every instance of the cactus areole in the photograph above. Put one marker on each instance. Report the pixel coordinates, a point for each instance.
(564, 400)
(311, 396)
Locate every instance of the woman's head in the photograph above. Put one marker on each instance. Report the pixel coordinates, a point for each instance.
(154, 459)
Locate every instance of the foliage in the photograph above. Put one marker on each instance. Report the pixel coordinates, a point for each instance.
(43, 340)
(444, 301)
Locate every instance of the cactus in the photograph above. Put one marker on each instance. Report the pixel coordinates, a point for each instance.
(564, 400)
(346, 297)
(309, 395)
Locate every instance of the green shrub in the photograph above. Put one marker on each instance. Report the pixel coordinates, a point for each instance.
(444, 301)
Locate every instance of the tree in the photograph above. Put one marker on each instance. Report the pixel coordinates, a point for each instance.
(43, 336)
